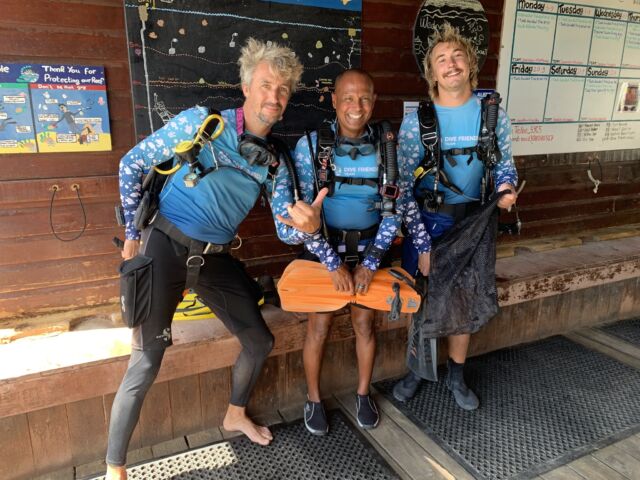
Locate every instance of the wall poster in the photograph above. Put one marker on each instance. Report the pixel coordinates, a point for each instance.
(569, 75)
(53, 108)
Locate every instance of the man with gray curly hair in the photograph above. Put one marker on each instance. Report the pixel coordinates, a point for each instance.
(187, 240)
(257, 59)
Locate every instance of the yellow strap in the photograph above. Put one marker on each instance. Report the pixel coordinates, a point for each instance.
(186, 145)
(167, 172)
(218, 131)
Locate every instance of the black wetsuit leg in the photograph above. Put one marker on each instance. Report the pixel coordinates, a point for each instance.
(142, 371)
(225, 287)
(149, 341)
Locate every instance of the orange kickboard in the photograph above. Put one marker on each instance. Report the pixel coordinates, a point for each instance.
(306, 286)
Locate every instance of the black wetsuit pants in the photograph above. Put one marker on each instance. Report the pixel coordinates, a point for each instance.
(225, 287)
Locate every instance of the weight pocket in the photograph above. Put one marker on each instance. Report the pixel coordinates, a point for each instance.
(136, 282)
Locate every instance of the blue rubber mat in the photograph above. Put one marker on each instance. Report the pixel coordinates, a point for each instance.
(541, 406)
(294, 454)
(627, 330)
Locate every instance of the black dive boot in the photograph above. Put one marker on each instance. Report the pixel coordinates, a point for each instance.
(405, 389)
(465, 398)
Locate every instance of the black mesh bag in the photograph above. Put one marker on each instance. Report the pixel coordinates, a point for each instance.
(462, 294)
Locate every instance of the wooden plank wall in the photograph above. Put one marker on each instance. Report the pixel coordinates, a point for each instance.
(39, 274)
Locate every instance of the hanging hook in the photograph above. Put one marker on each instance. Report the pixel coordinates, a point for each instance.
(596, 182)
(56, 188)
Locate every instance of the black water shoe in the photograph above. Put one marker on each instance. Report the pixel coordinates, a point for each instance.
(405, 389)
(315, 419)
(465, 398)
(366, 412)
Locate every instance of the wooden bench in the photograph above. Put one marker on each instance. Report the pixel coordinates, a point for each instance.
(56, 418)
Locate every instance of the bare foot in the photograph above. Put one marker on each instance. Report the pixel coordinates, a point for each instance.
(265, 432)
(116, 473)
(236, 420)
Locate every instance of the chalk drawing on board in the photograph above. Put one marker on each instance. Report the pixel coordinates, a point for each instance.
(465, 15)
(186, 53)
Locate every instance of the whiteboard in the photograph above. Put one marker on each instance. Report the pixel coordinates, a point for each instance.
(569, 75)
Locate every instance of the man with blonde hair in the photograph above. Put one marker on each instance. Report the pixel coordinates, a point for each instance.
(186, 243)
(452, 176)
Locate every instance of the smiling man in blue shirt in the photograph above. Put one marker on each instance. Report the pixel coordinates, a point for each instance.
(357, 236)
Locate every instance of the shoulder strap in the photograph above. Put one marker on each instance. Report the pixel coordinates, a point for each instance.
(428, 121)
(488, 150)
(430, 139)
(325, 143)
(284, 153)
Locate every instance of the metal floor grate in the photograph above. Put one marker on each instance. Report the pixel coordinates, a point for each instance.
(627, 330)
(294, 454)
(541, 405)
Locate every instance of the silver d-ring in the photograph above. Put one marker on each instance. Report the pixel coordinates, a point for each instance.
(194, 257)
(238, 242)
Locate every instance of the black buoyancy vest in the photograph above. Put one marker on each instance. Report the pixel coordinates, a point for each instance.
(486, 148)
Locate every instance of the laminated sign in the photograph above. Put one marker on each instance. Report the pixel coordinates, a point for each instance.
(53, 108)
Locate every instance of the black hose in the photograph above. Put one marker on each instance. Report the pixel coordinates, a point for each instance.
(493, 105)
(76, 188)
(389, 141)
(389, 189)
(285, 153)
(325, 228)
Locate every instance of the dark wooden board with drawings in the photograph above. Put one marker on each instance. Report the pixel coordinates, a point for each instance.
(184, 53)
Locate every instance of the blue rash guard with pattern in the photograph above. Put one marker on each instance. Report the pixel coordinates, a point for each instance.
(212, 210)
(459, 128)
(351, 207)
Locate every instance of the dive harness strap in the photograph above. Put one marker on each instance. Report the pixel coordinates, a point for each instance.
(486, 148)
(323, 159)
(456, 210)
(370, 182)
(196, 248)
(325, 168)
(351, 240)
(433, 153)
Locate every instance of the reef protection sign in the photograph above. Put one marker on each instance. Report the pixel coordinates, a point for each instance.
(53, 108)
(569, 75)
